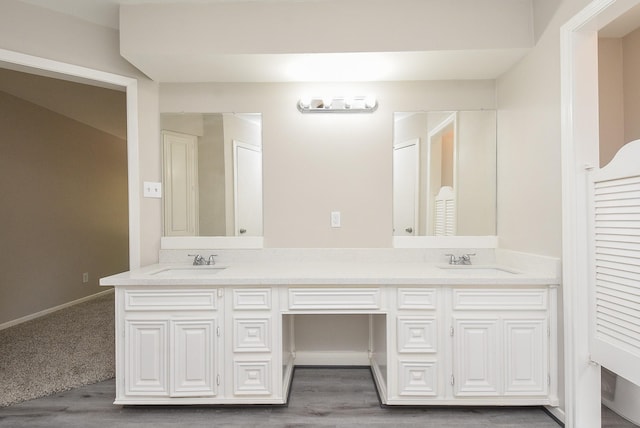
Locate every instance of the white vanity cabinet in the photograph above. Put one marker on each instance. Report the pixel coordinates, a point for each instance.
(472, 345)
(198, 345)
(253, 345)
(419, 347)
(501, 341)
(170, 344)
(455, 343)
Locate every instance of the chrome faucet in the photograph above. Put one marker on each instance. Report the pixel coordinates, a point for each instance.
(199, 260)
(464, 259)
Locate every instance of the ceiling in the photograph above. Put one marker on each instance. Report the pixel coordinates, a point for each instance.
(105, 12)
(622, 25)
(328, 67)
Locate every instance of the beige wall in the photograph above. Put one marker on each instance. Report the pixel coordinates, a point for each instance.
(618, 86)
(315, 164)
(211, 177)
(92, 105)
(631, 61)
(611, 97)
(64, 208)
(476, 174)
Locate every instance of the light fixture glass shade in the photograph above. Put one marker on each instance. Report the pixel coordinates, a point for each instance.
(350, 104)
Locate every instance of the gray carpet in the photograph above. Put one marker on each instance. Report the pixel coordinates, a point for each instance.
(60, 351)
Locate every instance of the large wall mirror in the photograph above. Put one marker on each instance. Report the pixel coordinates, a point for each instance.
(444, 173)
(212, 174)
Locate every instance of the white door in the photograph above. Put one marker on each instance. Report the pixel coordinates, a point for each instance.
(180, 177)
(405, 188)
(526, 354)
(247, 172)
(146, 349)
(615, 257)
(476, 357)
(194, 358)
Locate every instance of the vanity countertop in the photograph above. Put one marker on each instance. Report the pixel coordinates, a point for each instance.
(328, 274)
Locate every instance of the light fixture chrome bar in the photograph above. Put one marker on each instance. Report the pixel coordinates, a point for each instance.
(359, 104)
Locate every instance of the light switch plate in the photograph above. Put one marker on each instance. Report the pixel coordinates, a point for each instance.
(335, 218)
(152, 189)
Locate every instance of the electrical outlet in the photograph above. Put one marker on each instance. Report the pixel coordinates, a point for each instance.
(85, 277)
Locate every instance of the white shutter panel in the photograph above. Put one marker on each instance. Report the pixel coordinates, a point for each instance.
(615, 278)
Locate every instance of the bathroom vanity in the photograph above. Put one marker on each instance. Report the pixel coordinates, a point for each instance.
(438, 334)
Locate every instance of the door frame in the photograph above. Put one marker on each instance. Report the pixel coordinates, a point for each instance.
(580, 154)
(90, 76)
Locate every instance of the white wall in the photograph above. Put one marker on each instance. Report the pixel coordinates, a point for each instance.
(315, 164)
(631, 63)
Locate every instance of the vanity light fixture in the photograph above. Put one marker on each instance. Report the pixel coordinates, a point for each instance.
(359, 104)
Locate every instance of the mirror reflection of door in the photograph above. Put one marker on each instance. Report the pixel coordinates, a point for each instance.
(247, 169)
(442, 172)
(180, 180)
(406, 175)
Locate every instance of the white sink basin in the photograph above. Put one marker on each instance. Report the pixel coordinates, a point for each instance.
(188, 271)
(478, 270)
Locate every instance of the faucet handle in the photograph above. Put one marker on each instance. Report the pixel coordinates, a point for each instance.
(466, 258)
(452, 259)
(198, 259)
(211, 260)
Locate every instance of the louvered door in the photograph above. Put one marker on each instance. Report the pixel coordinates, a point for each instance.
(615, 278)
(445, 218)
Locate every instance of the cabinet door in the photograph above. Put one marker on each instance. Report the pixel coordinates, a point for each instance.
(526, 354)
(146, 349)
(476, 357)
(193, 364)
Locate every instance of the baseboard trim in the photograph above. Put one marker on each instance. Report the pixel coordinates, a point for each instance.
(333, 358)
(556, 413)
(51, 310)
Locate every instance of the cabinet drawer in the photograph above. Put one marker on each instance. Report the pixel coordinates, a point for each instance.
(252, 377)
(478, 299)
(334, 298)
(252, 299)
(169, 300)
(417, 335)
(416, 298)
(251, 334)
(417, 378)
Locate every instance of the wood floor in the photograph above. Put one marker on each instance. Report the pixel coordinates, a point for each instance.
(319, 398)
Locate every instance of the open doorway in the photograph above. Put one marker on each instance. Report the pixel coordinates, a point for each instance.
(580, 162)
(618, 109)
(66, 187)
